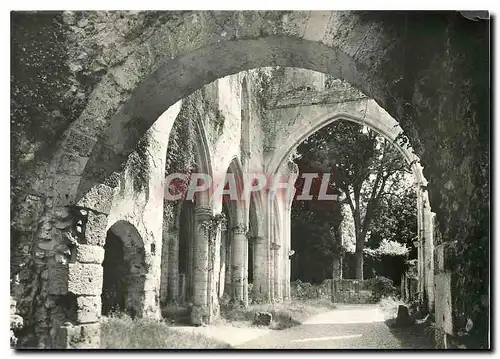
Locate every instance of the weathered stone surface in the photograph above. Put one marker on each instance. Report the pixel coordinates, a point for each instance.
(86, 253)
(58, 275)
(85, 279)
(80, 144)
(95, 230)
(98, 198)
(64, 189)
(263, 318)
(88, 309)
(85, 336)
(443, 302)
(72, 72)
(444, 257)
(199, 315)
(72, 164)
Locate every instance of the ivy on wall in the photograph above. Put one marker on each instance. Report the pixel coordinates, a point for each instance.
(181, 151)
(138, 164)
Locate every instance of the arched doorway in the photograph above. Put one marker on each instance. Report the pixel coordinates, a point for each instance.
(124, 271)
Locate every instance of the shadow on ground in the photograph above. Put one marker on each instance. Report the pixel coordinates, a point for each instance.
(415, 336)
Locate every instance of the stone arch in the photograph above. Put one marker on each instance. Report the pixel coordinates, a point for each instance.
(179, 77)
(204, 163)
(367, 113)
(124, 270)
(365, 44)
(176, 286)
(370, 114)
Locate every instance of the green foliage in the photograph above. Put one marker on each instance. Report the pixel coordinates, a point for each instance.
(122, 332)
(181, 143)
(181, 153)
(315, 239)
(381, 287)
(285, 314)
(395, 221)
(371, 174)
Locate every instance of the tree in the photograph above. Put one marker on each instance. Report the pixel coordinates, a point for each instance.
(395, 224)
(315, 238)
(365, 168)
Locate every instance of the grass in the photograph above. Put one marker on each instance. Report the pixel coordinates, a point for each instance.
(122, 332)
(285, 314)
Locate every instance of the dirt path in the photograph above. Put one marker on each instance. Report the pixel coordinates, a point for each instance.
(348, 327)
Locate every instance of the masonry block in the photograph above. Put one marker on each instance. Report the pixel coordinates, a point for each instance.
(58, 275)
(98, 198)
(95, 230)
(80, 144)
(64, 189)
(85, 336)
(72, 164)
(89, 254)
(88, 309)
(85, 278)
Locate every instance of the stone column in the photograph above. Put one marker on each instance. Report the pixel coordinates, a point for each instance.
(200, 310)
(429, 259)
(245, 268)
(173, 265)
(189, 279)
(223, 258)
(229, 265)
(272, 253)
(286, 253)
(238, 263)
(276, 248)
(425, 249)
(214, 240)
(260, 269)
(75, 277)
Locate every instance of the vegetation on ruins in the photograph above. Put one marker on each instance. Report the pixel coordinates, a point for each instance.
(373, 178)
(122, 332)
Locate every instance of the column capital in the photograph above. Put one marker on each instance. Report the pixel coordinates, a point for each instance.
(256, 238)
(239, 229)
(203, 212)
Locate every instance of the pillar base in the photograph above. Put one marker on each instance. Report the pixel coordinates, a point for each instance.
(85, 336)
(199, 315)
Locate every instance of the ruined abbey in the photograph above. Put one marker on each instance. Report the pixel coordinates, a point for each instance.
(114, 112)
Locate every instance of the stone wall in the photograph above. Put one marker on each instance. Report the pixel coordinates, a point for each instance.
(444, 106)
(87, 86)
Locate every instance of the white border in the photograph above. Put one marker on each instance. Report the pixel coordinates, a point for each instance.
(492, 6)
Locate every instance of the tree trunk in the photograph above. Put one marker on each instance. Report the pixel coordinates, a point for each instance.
(337, 267)
(359, 264)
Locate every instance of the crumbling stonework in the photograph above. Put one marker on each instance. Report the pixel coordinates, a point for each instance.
(94, 99)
